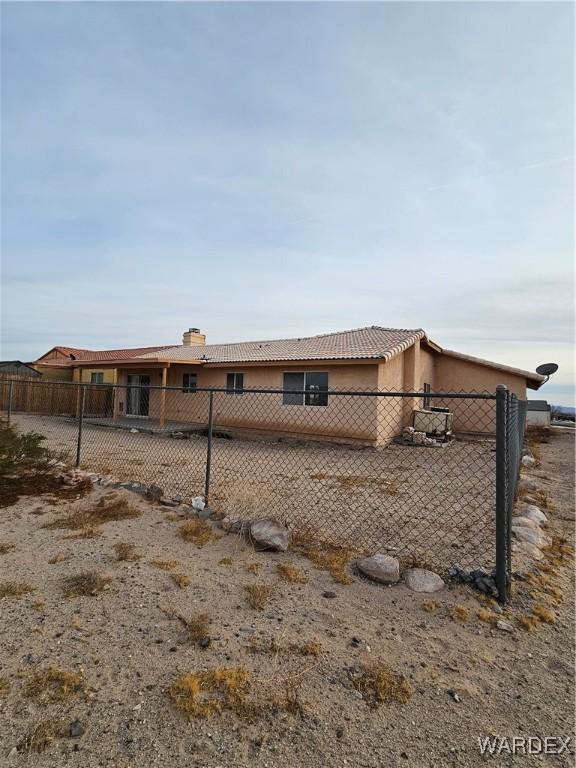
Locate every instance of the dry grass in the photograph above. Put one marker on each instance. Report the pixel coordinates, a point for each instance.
(325, 556)
(180, 579)
(544, 614)
(487, 616)
(349, 483)
(459, 613)
(197, 531)
(202, 694)
(126, 552)
(528, 622)
(15, 589)
(378, 684)
(59, 557)
(197, 627)
(537, 435)
(253, 567)
(225, 561)
(4, 686)
(39, 605)
(53, 684)
(291, 574)
(6, 547)
(258, 595)
(42, 735)
(430, 606)
(87, 520)
(272, 646)
(165, 565)
(244, 500)
(87, 584)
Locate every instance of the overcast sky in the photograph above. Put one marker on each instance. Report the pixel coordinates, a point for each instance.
(269, 170)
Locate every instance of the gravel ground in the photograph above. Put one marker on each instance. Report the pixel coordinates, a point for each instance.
(468, 679)
(432, 504)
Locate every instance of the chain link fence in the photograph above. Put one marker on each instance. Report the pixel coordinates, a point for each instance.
(331, 464)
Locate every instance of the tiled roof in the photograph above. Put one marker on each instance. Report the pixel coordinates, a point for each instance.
(373, 342)
(74, 354)
(499, 366)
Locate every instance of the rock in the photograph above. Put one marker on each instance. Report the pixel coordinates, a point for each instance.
(528, 461)
(234, 524)
(421, 580)
(198, 503)
(168, 502)
(527, 484)
(13, 752)
(525, 522)
(329, 595)
(204, 642)
(205, 513)
(134, 431)
(530, 535)
(504, 626)
(76, 729)
(154, 492)
(454, 695)
(382, 568)
(268, 534)
(532, 512)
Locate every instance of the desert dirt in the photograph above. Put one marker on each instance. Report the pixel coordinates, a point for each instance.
(432, 504)
(463, 678)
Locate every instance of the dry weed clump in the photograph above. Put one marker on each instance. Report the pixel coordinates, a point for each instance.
(180, 580)
(53, 684)
(41, 736)
(15, 589)
(528, 622)
(225, 561)
(197, 531)
(258, 595)
(325, 556)
(253, 567)
(430, 606)
(544, 614)
(202, 694)
(126, 552)
(487, 616)
(87, 584)
(378, 684)
(4, 686)
(6, 547)
(165, 565)
(87, 521)
(59, 557)
(197, 627)
(246, 501)
(459, 613)
(272, 646)
(291, 574)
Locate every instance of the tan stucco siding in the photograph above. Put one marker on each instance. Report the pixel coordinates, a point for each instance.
(53, 374)
(391, 410)
(343, 417)
(85, 374)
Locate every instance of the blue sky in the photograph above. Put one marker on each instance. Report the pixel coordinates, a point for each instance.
(264, 170)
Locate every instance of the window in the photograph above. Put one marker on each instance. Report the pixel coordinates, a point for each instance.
(234, 383)
(314, 384)
(189, 382)
(97, 377)
(426, 400)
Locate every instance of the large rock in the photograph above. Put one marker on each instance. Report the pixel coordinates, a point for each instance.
(379, 567)
(528, 461)
(420, 580)
(268, 534)
(532, 512)
(527, 485)
(536, 537)
(526, 523)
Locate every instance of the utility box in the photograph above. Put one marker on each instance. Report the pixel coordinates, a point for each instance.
(436, 423)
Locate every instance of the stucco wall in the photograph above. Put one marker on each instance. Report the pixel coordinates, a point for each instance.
(54, 374)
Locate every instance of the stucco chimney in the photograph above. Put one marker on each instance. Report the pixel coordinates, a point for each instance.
(192, 337)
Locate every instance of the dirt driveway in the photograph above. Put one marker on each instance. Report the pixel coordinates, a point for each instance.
(435, 505)
(124, 647)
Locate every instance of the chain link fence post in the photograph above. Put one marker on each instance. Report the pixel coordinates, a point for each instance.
(502, 468)
(9, 410)
(209, 446)
(82, 397)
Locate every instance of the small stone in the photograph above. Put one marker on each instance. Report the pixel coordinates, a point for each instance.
(134, 431)
(329, 595)
(75, 729)
(268, 534)
(168, 502)
(339, 733)
(204, 642)
(13, 752)
(504, 626)
(528, 461)
(382, 568)
(454, 695)
(154, 492)
(204, 514)
(421, 580)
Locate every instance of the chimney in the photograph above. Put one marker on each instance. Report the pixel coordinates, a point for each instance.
(192, 337)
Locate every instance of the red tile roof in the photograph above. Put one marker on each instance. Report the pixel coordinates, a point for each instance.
(74, 354)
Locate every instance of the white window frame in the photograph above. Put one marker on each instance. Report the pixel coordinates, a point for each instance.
(235, 389)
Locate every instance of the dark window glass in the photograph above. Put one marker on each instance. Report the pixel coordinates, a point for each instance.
(235, 383)
(316, 389)
(97, 377)
(293, 381)
(426, 400)
(189, 382)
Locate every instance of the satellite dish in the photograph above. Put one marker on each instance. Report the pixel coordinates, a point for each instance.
(547, 369)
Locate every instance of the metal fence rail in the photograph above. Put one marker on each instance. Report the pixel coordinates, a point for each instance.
(328, 463)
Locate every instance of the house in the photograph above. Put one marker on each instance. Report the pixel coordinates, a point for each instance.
(18, 369)
(363, 359)
(537, 413)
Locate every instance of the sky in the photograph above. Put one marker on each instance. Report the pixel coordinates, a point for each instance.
(267, 170)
